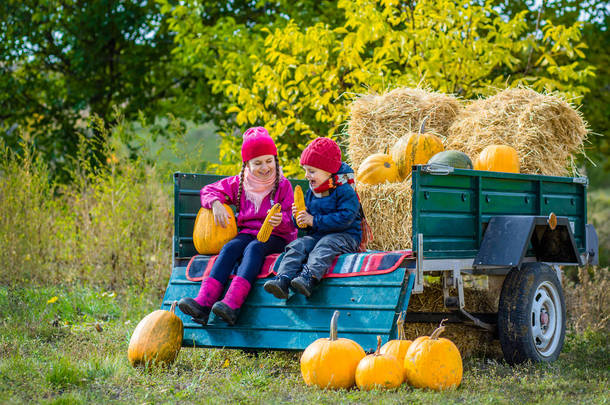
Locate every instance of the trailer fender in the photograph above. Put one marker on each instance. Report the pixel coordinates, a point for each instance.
(507, 239)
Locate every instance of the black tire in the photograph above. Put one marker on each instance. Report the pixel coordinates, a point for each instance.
(531, 314)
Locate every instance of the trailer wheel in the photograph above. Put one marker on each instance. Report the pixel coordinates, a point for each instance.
(531, 314)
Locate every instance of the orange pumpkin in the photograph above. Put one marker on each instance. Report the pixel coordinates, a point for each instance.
(209, 237)
(331, 362)
(379, 370)
(415, 148)
(398, 347)
(377, 168)
(157, 338)
(498, 158)
(433, 362)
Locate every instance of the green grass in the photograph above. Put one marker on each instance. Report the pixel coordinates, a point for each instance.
(51, 352)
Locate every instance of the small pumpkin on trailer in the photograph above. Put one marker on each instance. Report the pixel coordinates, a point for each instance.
(379, 370)
(208, 236)
(498, 158)
(157, 339)
(433, 362)
(398, 347)
(453, 158)
(415, 148)
(378, 168)
(331, 362)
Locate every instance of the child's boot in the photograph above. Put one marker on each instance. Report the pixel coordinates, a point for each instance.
(228, 308)
(200, 307)
(304, 283)
(278, 286)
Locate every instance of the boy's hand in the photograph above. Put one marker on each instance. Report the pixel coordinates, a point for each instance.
(221, 216)
(275, 220)
(294, 210)
(305, 218)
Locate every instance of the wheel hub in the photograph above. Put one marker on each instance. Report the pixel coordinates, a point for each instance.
(546, 319)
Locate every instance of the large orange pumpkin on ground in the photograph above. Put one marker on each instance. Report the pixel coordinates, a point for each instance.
(209, 237)
(331, 362)
(415, 148)
(157, 338)
(379, 370)
(498, 158)
(433, 362)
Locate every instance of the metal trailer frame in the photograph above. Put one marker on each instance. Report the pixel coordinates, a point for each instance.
(463, 221)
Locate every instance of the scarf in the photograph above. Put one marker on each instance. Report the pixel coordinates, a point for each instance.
(256, 189)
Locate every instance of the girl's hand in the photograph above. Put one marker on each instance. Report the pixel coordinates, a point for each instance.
(305, 218)
(275, 220)
(221, 216)
(294, 210)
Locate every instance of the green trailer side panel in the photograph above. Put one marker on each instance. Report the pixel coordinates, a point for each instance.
(451, 211)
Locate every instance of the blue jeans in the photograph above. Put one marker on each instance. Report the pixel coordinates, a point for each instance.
(315, 254)
(251, 252)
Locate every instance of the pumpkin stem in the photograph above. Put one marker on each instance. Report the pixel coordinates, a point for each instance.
(401, 327)
(333, 326)
(422, 127)
(172, 309)
(437, 332)
(378, 346)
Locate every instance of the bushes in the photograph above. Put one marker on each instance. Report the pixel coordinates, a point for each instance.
(110, 226)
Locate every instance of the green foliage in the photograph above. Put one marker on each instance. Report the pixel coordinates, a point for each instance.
(598, 207)
(65, 60)
(111, 226)
(298, 80)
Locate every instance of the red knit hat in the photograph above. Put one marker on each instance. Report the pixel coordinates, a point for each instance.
(257, 142)
(322, 153)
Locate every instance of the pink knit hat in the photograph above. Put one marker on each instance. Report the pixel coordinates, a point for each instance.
(322, 153)
(257, 142)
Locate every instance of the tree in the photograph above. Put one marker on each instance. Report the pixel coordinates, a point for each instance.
(65, 60)
(594, 15)
(298, 80)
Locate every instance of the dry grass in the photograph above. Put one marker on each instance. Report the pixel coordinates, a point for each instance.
(587, 301)
(387, 208)
(377, 121)
(545, 130)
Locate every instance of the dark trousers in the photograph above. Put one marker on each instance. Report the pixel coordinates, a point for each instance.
(251, 252)
(314, 254)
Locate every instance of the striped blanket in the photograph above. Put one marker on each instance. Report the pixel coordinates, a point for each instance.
(347, 265)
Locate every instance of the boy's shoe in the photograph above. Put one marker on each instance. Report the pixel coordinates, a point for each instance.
(304, 283)
(278, 286)
(199, 313)
(228, 314)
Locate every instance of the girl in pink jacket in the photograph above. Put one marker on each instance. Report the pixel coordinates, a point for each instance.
(258, 186)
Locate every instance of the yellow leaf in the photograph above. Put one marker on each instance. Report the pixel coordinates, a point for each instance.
(225, 364)
(52, 300)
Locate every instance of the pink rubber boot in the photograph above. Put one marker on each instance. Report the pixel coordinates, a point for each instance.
(209, 292)
(200, 307)
(228, 308)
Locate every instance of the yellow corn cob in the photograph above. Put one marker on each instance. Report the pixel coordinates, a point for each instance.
(299, 202)
(265, 231)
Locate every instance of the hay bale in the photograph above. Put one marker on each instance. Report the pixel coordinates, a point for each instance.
(387, 208)
(377, 121)
(545, 130)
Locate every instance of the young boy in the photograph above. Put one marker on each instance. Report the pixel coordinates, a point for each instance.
(332, 219)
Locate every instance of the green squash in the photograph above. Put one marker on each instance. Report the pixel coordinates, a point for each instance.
(453, 158)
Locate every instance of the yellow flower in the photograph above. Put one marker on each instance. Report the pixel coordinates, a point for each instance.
(52, 300)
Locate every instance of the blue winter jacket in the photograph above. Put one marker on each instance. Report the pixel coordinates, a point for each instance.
(337, 212)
